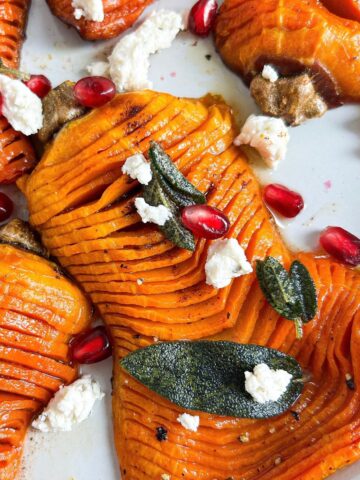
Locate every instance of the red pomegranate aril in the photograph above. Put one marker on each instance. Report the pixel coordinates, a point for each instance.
(6, 207)
(205, 221)
(202, 17)
(287, 202)
(342, 245)
(93, 92)
(39, 84)
(91, 346)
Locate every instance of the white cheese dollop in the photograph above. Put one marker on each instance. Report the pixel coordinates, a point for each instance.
(269, 73)
(89, 9)
(129, 61)
(159, 215)
(190, 422)
(225, 260)
(265, 384)
(98, 69)
(21, 107)
(138, 168)
(268, 135)
(70, 405)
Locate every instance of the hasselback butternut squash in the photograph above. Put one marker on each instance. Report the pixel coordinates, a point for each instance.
(16, 152)
(119, 16)
(293, 35)
(40, 310)
(83, 206)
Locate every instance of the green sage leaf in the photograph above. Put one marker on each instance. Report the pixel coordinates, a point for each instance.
(170, 188)
(209, 376)
(292, 295)
(305, 289)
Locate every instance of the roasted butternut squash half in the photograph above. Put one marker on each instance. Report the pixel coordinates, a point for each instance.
(83, 206)
(17, 155)
(40, 310)
(293, 35)
(119, 16)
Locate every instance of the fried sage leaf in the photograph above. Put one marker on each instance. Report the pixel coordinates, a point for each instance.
(60, 107)
(170, 188)
(209, 376)
(19, 234)
(292, 295)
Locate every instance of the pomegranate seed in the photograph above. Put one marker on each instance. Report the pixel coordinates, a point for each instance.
(287, 202)
(94, 92)
(205, 221)
(342, 245)
(202, 17)
(39, 84)
(91, 346)
(6, 207)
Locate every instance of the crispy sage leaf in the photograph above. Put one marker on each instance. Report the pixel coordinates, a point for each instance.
(170, 188)
(209, 376)
(59, 106)
(20, 234)
(292, 295)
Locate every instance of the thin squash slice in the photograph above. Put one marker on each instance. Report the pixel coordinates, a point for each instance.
(119, 16)
(40, 310)
(83, 206)
(17, 155)
(293, 35)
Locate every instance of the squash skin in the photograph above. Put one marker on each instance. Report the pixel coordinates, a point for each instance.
(76, 201)
(17, 155)
(292, 34)
(40, 310)
(119, 16)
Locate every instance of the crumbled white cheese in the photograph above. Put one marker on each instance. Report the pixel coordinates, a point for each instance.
(190, 422)
(98, 69)
(21, 107)
(89, 9)
(269, 73)
(129, 61)
(265, 384)
(165, 476)
(139, 281)
(159, 215)
(138, 168)
(70, 405)
(225, 260)
(268, 135)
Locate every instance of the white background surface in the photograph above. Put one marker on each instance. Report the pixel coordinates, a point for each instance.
(323, 164)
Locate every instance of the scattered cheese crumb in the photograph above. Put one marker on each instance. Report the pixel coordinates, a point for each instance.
(245, 437)
(89, 9)
(277, 460)
(20, 106)
(129, 61)
(159, 215)
(268, 135)
(98, 69)
(272, 430)
(269, 73)
(70, 405)
(138, 168)
(139, 281)
(165, 476)
(265, 384)
(190, 422)
(155, 339)
(225, 260)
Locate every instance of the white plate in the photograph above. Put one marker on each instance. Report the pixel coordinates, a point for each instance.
(323, 164)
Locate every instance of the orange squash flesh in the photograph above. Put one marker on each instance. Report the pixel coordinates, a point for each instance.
(291, 34)
(119, 16)
(17, 155)
(40, 311)
(107, 249)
